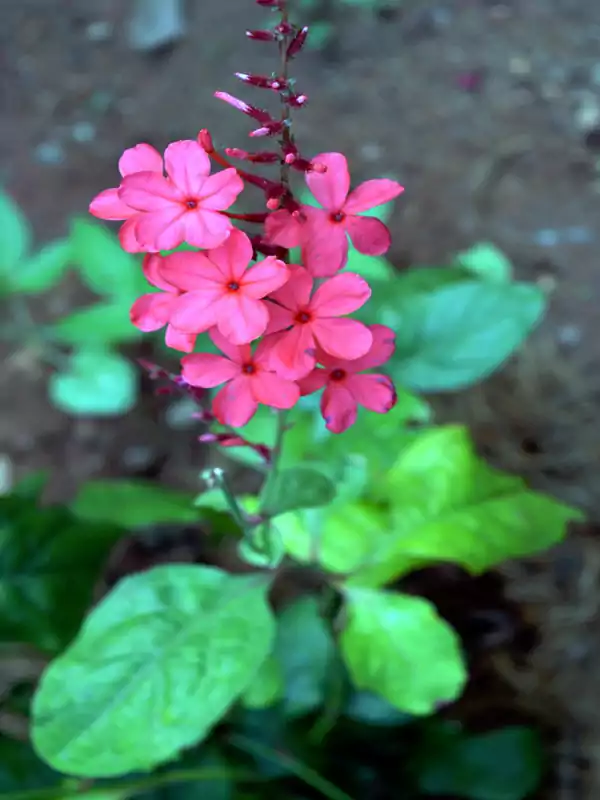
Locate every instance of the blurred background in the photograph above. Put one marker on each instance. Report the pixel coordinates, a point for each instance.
(487, 112)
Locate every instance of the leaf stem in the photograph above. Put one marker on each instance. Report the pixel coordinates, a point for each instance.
(216, 479)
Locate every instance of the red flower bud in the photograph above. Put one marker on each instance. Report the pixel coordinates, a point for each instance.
(297, 42)
(263, 157)
(256, 113)
(205, 141)
(269, 3)
(261, 36)
(262, 81)
(295, 100)
(284, 29)
(268, 129)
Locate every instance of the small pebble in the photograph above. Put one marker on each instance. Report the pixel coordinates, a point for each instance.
(517, 65)
(371, 151)
(51, 153)
(546, 237)
(569, 335)
(83, 132)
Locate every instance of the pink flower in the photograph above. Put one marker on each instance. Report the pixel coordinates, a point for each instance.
(248, 380)
(310, 321)
(152, 311)
(220, 290)
(323, 235)
(346, 388)
(161, 212)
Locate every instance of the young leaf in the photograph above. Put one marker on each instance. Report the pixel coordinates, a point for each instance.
(448, 505)
(50, 562)
(15, 236)
(305, 649)
(100, 324)
(485, 261)
(105, 267)
(298, 487)
(398, 647)
(43, 270)
(155, 666)
(267, 687)
(98, 383)
(133, 504)
(459, 334)
(504, 764)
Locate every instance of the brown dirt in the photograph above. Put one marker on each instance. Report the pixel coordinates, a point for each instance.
(483, 110)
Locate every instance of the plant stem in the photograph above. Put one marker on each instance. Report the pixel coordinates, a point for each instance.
(216, 479)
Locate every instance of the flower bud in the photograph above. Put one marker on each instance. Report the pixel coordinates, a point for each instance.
(295, 100)
(269, 3)
(205, 141)
(261, 36)
(262, 81)
(297, 42)
(262, 157)
(256, 113)
(271, 128)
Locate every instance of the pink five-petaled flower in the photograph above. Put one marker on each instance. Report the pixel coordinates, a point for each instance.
(152, 311)
(248, 380)
(346, 387)
(163, 212)
(323, 233)
(220, 290)
(315, 321)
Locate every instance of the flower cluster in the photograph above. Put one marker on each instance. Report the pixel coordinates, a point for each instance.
(282, 329)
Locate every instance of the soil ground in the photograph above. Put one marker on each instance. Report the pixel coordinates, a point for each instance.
(488, 113)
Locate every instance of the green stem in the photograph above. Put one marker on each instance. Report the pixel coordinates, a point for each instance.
(216, 479)
(298, 768)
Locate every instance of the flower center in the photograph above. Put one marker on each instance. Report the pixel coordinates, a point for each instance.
(337, 374)
(302, 317)
(249, 368)
(233, 286)
(191, 204)
(338, 216)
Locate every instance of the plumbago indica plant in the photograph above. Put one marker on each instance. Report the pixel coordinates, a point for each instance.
(358, 489)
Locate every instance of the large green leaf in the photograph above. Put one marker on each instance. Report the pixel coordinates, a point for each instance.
(98, 383)
(398, 647)
(49, 563)
(448, 505)
(305, 650)
(453, 336)
(134, 503)
(267, 687)
(42, 270)
(504, 764)
(100, 324)
(15, 236)
(157, 663)
(298, 487)
(105, 267)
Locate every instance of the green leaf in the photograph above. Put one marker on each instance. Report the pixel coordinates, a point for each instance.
(49, 563)
(22, 771)
(305, 650)
(448, 505)
(298, 487)
(486, 261)
(454, 336)
(98, 383)
(157, 663)
(372, 268)
(100, 324)
(267, 687)
(43, 270)
(133, 504)
(15, 235)
(504, 764)
(398, 647)
(104, 266)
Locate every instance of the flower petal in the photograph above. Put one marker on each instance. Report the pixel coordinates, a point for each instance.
(382, 349)
(314, 381)
(206, 229)
(233, 256)
(194, 312)
(148, 191)
(221, 190)
(292, 356)
(331, 187)
(128, 238)
(324, 244)
(280, 318)
(371, 194)
(375, 392)
(340, 295)
(272, 390)
(152, 267)
(338, 408)
(235, 352)
(283, 229)
(108, 205)
(264, 278)
(208, 370)
(343, 338)
(161, 230)
(241, 319)
(234, 404)
(178, 340)
(188, 271)
(369, 235)
(295, 293)
(188, 165)
(141, 158)
(151, 311)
